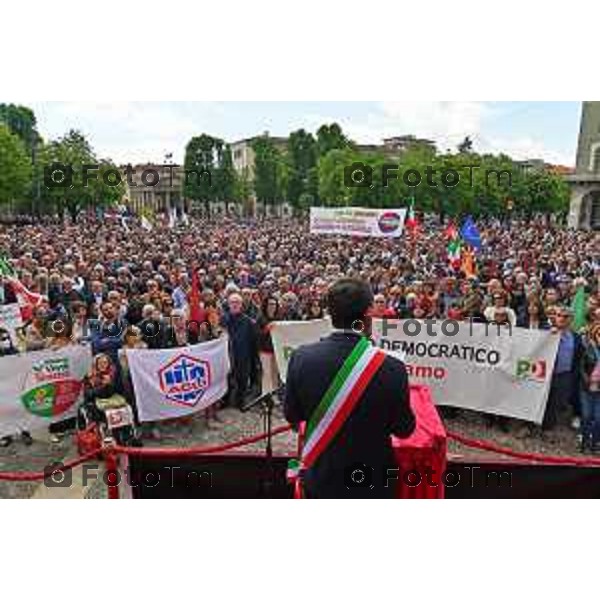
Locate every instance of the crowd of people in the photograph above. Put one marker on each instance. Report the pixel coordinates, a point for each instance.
(98, 278)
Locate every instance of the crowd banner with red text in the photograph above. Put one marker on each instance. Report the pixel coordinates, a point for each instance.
(288, 335)
(484, 367)
(10, 319)
(353, 220)
(180, 381)
(487, 368)
(39, 388)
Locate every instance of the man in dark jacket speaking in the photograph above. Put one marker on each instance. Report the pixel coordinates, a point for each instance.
(353, 397)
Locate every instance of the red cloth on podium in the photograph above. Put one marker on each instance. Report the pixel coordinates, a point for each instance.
(421, 458)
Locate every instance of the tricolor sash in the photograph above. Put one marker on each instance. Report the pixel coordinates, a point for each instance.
(340, 399)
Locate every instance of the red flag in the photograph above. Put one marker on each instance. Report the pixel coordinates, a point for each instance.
(451, 232)
(26, 298)
(196, 312)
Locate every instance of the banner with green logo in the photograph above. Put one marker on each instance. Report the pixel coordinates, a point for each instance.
(38, 388)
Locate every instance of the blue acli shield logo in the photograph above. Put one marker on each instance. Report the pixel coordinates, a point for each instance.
(185, 379)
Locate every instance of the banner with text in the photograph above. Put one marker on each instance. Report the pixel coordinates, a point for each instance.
(10, 319)
(484, 367)
(288, 335)
(353, 220)
(39, 388)
(178, 382)
(468, 365)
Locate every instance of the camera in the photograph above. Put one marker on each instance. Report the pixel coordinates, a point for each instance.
(58, 175)
(358, 475)
(358, 175)
(55, 476)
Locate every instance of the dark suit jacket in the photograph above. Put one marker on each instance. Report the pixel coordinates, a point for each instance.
(365, 436)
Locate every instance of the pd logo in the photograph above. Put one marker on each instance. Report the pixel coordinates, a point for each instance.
(389, 222)
(531, 369)
(185, 379)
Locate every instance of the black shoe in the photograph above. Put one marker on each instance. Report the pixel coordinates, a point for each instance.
(6, 441)
(26, 438)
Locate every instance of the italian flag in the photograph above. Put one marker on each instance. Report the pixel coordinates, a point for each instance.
(340, 399)
(25, 297)
(411, 220)
(454, 253)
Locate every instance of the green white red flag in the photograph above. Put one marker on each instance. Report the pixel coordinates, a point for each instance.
(340, 399)
(411, 222)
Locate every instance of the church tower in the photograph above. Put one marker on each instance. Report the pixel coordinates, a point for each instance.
(588, 146)
(584, 211)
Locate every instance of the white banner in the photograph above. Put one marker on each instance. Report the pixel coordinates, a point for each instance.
(10, 319)
(180, 381)
(39, 388)
(504, 372)
(353, 220)
(288, 335)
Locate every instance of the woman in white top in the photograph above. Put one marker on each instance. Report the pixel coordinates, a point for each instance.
(499, 303)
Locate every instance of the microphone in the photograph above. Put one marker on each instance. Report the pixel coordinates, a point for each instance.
(263, 398)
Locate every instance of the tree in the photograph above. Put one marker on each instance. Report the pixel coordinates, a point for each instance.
(302, 161)
(466, 146)
(331, 137)
(225, 177)
(108, 188)
(75, 179)
(242, 189)
(22, 122)
(331, 184)
(15, 167)
(268, 168)
(200, 164)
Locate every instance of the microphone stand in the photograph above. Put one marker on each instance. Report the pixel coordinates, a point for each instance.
(267, 404)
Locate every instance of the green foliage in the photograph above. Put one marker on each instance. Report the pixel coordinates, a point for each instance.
(210, 176)
(302, 163)
(330, 137)
(242, 188)
(85, 187)
(224, 177)
(21, 121)
(200, 164)
(477, 184)
(330, 170)
(15, 167)
(269, 171)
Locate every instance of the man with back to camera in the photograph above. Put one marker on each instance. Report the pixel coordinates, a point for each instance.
(353, 397)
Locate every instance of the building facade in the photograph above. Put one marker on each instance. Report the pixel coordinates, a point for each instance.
(584, 209)
(157, 188)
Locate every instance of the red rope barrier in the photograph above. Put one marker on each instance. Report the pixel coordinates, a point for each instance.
(194, 451)
(197, 450)
(32, 476)
(529, 456)
(111, 463)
